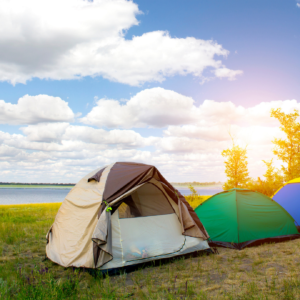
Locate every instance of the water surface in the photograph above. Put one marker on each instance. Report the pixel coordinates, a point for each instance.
(32, 195)
(48, 195)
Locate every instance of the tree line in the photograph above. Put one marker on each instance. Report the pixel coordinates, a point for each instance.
(286, 150)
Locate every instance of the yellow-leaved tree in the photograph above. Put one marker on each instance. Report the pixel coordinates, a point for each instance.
(288, 150)
(236, 167)
(194, 193)
(272, 182)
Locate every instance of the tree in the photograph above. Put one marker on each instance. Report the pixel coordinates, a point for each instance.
(288, 151)
(273, 181)
(194, 193)
(236, 167)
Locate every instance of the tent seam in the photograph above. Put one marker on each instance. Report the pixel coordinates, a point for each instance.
(237, 217)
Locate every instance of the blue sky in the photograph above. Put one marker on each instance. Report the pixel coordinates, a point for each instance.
(259, 68)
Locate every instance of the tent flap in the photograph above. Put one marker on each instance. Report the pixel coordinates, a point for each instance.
(102, 238)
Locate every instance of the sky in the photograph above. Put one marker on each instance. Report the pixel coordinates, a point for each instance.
(87, 83)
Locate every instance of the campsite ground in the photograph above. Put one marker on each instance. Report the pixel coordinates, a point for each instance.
(265, 272)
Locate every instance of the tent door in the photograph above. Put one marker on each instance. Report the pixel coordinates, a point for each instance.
(149, 237)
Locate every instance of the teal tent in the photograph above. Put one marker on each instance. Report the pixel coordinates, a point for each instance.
(238, 218)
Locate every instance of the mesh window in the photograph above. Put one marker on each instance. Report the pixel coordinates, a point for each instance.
(150, 237)
(146, 201)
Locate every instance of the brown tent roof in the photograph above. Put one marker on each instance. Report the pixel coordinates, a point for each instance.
(124, 176)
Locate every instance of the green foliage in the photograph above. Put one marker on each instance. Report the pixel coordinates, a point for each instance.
(273, 181)
(236, 167)
(288, 150)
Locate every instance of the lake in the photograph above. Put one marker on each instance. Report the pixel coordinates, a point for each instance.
(48, 195)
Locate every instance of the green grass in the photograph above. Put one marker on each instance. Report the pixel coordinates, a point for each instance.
(265, 272)
(32, 186)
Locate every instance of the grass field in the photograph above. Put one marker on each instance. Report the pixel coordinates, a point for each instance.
(265, 272)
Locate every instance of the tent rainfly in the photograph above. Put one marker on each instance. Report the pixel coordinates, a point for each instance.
(239, 218)
(123, 214)
(289, 198)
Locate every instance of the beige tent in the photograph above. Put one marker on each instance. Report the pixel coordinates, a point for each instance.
(120, 215)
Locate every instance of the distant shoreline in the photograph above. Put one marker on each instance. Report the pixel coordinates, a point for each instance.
(53, 186)
(196, 184)
(71, 185)
(35, 186)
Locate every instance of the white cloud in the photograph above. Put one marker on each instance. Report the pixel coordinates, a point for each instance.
(65, 135)
(45, 132)
(212, 112)
(188, 145)
(64, 161)
(8, 152)
(155, 107)
(35, 109)
(249, 134)
(227, 73)
(189, 148)
(298, 4)
(126, 138)
(214, 132)
(67, 39)
(260, 114)
(159, 108)
(226, 113)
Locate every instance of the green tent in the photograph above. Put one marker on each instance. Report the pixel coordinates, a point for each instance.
(238, 218)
